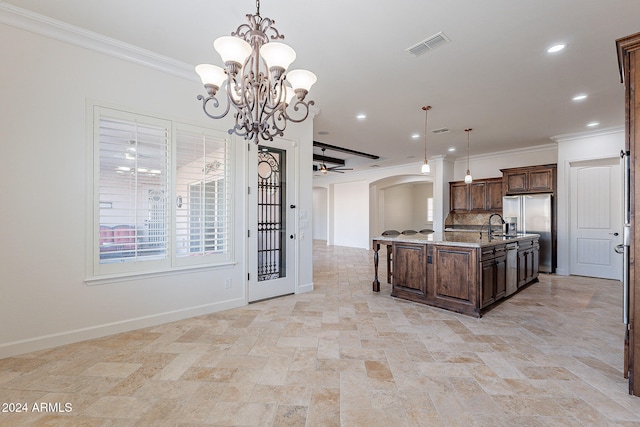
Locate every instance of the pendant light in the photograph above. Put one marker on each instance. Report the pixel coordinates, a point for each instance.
(425, 166)
(468, 179)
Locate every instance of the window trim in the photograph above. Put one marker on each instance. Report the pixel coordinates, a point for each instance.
(97, 273)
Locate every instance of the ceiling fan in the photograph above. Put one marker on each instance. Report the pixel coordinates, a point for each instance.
(323, 169)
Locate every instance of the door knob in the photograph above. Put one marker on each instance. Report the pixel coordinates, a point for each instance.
(614, 234)
(291, 237)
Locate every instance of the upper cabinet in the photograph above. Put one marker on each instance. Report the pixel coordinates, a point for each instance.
(480, 195)
(530, 179)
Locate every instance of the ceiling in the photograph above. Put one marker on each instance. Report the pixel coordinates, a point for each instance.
(493, 76)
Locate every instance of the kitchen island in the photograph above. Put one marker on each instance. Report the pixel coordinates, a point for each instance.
(458, 271)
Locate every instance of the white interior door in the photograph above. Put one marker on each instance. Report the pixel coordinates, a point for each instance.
(272, 215)
(596, 218)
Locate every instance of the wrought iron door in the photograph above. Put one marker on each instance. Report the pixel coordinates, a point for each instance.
(271, 213)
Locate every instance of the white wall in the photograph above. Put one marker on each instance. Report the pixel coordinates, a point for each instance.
(489, 165)
(421, 193)
(366, 220)
(351, 214)
(398, 207)
(606, 143)
(404, 206)
(320, 213)
(45, 300)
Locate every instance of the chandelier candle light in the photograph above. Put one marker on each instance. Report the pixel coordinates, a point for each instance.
(468, 179)
(254, 79)
(425, 166)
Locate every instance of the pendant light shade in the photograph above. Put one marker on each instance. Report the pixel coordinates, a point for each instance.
(277, 55)
(468, 179)
(232, 49)
(425, 166)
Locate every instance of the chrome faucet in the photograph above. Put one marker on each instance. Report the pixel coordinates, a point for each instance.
(489, 232)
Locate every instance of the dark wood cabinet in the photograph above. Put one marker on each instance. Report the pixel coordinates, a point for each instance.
(461, 277)
(477, 196)
(494, 274)
(494, 194)
(629, 64)
(527, 264)
(409, 270)
(481, 195)
(458, 194)
(455, 280)
(530, 179)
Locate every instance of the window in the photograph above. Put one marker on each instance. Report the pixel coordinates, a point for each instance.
(144, 164)
(203, 196)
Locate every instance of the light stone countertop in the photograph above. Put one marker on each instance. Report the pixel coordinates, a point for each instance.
(454, 238)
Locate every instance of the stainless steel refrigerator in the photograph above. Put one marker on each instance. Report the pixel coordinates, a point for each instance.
(533, 214)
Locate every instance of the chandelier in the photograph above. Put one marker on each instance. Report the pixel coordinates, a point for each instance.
(255, 80)
(425, 166)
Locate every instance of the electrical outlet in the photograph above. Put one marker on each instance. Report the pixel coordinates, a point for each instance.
(227, 283)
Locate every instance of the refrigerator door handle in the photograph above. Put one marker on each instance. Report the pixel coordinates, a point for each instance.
(626, 235)
(626, 240)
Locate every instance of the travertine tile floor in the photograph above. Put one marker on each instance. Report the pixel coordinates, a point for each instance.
(342, 355)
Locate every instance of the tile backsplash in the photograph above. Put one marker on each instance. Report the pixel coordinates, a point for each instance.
(469, 220)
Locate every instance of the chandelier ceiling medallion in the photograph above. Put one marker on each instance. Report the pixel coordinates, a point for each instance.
(255, 81)
(468, 179)
(425, 166)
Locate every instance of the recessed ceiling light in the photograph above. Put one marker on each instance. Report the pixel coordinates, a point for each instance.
(580, 97)
(593, 124)
(556, 48)
(452, 149)
(361, 116)
(415, 136)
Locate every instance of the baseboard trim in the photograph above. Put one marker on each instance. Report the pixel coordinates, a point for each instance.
(305, 288)
(69, 337)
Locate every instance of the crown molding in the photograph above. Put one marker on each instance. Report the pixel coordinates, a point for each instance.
(518, 151)
(588, 134)
(48, 27)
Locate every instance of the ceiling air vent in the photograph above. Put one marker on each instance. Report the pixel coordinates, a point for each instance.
(429, 44)
(441, 130)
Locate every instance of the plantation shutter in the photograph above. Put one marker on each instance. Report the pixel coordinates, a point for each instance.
(133, 188)
(203, 204)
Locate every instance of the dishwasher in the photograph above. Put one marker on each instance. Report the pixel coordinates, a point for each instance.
(512, 267)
